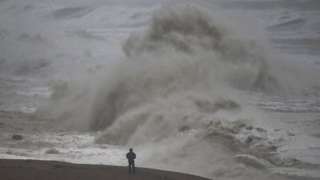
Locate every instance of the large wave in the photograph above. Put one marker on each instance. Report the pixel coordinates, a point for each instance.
(185, 57)
(180, 89)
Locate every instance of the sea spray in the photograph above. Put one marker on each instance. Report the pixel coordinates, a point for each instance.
(184, 60)
(178, 96)
(182, 52)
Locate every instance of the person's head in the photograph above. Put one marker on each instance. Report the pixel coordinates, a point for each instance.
(130, 149)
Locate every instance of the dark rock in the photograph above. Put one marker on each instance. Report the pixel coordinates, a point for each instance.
(249, 140)
(52, 151)
(17, 137)
(184, 128)
(260, 130)
(290, 133)
(249, 127)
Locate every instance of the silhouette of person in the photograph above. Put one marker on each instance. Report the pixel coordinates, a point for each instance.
(131, 156)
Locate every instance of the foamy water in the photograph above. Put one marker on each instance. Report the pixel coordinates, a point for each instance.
(235, 81)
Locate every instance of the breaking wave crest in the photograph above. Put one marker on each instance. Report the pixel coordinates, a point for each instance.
(182, 84)
(182, 57)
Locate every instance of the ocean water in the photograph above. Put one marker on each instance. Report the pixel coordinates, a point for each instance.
(222, 89)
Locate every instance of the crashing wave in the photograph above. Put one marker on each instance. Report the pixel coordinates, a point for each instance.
(183, 51)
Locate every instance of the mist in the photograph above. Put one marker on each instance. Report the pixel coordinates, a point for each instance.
(184, 80)
(178, 82)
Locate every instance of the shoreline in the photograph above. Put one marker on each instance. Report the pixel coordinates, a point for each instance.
(54, 170)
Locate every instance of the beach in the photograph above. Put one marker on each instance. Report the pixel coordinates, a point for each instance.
(53, 170)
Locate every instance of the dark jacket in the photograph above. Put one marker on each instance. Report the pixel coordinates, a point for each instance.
(131, 156)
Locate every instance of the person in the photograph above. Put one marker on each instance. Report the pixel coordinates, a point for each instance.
(131, 156)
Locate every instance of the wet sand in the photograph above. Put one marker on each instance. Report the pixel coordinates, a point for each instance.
(53, 170)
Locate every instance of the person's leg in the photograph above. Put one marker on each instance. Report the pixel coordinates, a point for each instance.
(133, 168)
(129, 168)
